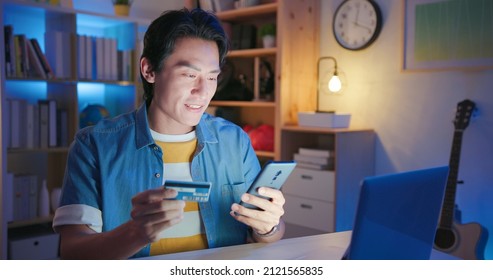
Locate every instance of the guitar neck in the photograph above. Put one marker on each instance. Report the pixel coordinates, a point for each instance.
(447, 215)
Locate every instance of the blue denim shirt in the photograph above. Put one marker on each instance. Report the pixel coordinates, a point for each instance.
(114, 160)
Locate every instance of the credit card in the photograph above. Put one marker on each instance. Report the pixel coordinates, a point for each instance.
(190, 191)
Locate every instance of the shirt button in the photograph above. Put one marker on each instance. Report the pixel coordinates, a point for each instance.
(155, 148)
(157, 175)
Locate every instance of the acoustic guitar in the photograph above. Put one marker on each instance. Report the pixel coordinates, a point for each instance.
(466, 241)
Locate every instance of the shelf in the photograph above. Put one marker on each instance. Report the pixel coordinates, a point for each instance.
(35, 79)
(38, 150)
(254, 11)
(265, 154)
(70, 81)
(297, 128)
(253, 52)
(36, 221)
(243, 103)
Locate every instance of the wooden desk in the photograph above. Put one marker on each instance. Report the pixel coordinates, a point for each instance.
(329, 246)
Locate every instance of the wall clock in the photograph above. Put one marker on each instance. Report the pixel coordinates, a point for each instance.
(357, 24)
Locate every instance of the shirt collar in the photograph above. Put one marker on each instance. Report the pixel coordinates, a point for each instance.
(144, 138)
(143, 135)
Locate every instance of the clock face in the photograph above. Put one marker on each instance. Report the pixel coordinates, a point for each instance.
(357, 24)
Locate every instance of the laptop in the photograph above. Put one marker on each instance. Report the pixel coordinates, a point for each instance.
(397, 215)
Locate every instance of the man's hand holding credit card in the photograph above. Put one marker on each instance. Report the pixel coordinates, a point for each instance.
(190, 191)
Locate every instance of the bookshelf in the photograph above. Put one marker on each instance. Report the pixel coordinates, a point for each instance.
(295, 58)
(75, 87)
(292, 61)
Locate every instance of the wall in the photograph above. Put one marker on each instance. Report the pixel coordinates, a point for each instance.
(412, 113)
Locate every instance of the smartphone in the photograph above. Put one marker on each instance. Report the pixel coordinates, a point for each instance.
(273, 175)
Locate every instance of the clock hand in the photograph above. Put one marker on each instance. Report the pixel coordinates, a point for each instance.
(362, 26)
(357, 13)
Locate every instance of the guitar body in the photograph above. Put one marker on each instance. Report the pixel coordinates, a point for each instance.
(465, 241)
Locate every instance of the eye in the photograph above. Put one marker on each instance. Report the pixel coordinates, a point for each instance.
(213, 77)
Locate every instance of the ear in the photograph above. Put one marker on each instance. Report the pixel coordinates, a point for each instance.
(146, 70)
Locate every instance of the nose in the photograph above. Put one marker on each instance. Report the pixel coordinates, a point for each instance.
(204, 87)
(200, 87)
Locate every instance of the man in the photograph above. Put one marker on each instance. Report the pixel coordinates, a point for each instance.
(114, 205)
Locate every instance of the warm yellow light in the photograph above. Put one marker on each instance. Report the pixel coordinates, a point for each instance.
(335, 84)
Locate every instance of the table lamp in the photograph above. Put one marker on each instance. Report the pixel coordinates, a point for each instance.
(329, 119)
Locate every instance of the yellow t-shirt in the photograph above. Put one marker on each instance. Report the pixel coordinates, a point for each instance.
(189, 234)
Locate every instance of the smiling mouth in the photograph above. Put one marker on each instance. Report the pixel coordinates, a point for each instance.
(192, 106)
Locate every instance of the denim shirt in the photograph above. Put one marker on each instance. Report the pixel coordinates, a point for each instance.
(111, 162)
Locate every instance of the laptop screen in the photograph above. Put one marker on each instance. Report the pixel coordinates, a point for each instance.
(397, 215)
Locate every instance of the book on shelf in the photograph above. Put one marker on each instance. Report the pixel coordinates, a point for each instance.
(21, 58)
(107, 51)
(35, 66)
(315, 152)
(124, 65)
(58, 49)
(36, 125)
(47, 123)
(81, 56)
(10, 62)
(42, 58)
(235, 36)
(98, 58)
(223, 5)
(25, 197)
(98, 55)
(314, 166)
(114, 59)
(62, 128)
(18, 122)
(313, 158)
(32, 126)
(248, 36)
(88, 58)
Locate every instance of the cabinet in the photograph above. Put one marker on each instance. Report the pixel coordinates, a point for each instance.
(325, 200)
(73, 90)
(293, 61)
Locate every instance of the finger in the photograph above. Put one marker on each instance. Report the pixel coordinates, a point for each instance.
(157, 207)
(266, 204)
(256, 219)
(170, 193)
(158, 217)
(149, 196)
(275, 195)
(150, 226)
(158, 227)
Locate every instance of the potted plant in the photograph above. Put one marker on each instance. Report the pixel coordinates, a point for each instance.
(122, 7)
(268, 34)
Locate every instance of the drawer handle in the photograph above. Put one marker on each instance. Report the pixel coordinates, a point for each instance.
(306, 206)
(306, 177)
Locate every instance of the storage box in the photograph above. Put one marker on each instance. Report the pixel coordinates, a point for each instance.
(321, 119)
(38, 247)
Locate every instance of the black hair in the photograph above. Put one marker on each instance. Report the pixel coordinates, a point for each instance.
(164, 31)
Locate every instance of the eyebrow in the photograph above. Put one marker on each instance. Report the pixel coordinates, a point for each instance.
(184, 63)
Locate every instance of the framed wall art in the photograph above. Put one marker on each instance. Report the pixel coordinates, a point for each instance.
(448, 34)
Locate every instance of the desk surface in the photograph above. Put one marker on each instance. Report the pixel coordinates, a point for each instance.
(329, 246)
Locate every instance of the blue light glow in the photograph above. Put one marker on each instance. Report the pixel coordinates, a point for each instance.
(31, 91)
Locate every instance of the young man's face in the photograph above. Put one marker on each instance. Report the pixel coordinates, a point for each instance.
(185, 86)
